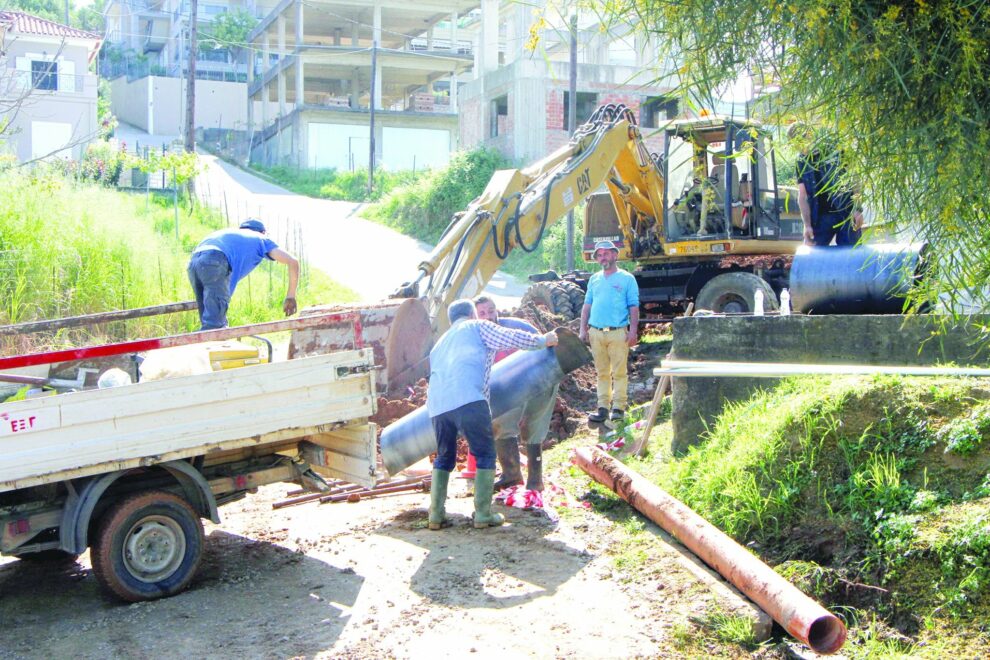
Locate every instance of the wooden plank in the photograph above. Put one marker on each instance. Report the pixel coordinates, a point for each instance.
(95, 319)
(88, 432)
(253, 479)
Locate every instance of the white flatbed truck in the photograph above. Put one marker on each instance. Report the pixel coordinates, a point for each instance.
(129, 472)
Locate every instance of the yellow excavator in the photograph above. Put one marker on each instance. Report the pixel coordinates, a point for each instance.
(704, 222)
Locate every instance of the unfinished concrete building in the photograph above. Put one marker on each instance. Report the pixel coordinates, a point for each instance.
(517, 99)
(314, 61)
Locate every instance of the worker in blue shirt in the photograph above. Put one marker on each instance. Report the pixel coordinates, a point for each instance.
(531, 421)
(225, 257)
(610, 319)
(457, 402)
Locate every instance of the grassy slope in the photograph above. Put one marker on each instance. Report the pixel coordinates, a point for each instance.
(68, 249)
(872, 494)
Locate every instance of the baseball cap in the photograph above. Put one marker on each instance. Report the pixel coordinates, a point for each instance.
(254, 225)
(605, 245)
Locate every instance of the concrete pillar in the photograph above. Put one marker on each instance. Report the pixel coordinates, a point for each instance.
(429, 38)
(266, 48)
(453, 92)
(489, 35)
(453, 31)
(336, 36)
(250, 100)
(354, 91)
(355, 34)
(300, 36)
(280, 27)
(476, 53)
(376, 30)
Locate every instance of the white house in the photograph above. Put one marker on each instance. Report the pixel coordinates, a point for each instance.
(47, 94)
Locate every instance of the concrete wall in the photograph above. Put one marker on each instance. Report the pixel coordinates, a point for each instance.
(158, 104)
(874, 340)
(42, 121)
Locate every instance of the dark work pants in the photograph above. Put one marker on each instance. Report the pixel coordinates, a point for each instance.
(473, 421)
(209, 274)
(829, 226)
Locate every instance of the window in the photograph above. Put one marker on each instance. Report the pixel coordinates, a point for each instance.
(657, 109)
(587, 103)
(44, 75)
(499, 116)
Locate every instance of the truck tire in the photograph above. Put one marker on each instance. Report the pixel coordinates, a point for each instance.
(732, 293)
(576, 295)
(550, 296)
(147, 546)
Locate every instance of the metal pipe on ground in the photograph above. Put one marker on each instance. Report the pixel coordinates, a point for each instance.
(801, 616)
(516, 379)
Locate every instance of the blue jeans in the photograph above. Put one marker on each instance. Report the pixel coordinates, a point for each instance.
(473, 421)
(209, 274)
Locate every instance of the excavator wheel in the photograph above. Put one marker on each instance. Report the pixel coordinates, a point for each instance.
(576, 295)
(732, 293)
(549, 296)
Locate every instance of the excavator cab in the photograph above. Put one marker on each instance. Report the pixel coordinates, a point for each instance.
(721, 184)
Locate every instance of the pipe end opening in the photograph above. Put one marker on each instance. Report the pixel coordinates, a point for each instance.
(827, 634)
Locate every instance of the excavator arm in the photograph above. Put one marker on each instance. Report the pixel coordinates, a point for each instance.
(518, 206)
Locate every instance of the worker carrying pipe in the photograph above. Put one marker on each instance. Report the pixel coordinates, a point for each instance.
(457, 403)
(531, 421)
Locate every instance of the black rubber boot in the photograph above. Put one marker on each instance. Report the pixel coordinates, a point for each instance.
(507, 452)
(534, 476)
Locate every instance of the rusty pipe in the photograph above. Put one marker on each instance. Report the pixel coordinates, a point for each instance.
(801, 616)
(367, 493)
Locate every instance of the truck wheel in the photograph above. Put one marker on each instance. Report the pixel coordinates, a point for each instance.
(147, 546)
(549, 296)
(732, 293)
(576, 295)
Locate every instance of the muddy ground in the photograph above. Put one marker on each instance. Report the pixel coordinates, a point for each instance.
(368, 580)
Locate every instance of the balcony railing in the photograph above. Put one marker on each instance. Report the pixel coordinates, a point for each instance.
(15, 83)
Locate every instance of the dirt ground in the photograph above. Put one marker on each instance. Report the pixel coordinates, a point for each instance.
(368, 580)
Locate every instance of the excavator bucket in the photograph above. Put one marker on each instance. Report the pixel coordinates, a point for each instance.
(397, 331)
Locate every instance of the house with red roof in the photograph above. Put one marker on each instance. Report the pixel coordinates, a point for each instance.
(47, 93)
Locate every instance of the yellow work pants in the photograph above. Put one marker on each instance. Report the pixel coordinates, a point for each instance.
(611, 353)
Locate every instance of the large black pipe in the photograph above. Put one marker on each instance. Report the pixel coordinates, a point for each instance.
(866, 279)
(516, 379)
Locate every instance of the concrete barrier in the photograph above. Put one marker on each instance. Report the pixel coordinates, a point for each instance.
(876, 340)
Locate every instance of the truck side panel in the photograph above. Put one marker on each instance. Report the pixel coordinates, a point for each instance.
(85, 433)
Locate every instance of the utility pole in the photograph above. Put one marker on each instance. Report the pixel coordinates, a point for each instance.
(571, 127)
(191, 80)
(371, 95)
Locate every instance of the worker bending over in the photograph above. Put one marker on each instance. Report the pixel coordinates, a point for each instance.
(457, 402)
(225, 257)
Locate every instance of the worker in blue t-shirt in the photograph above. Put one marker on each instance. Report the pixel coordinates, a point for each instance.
(225, 257)
(611, 311)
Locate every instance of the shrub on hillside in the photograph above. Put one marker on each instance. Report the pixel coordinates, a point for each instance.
(424, 209)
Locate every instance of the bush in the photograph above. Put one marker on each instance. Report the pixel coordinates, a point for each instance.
(425, 208)
(102, 163)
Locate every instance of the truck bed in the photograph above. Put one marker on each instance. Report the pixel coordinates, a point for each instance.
(79, 434)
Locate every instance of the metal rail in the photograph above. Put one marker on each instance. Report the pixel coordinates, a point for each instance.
(105, 350)
(709, 369)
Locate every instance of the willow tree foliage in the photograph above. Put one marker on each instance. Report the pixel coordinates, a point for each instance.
(903, 85)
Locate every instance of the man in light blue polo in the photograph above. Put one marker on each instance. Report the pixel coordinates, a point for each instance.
(610, 319)
(226, 256)
(457, 402)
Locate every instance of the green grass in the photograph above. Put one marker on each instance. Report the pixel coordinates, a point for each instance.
(423, 209)
(340, 185)
(68, 249)
(857, 490)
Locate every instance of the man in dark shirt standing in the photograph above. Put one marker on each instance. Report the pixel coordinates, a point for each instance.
(827, 208)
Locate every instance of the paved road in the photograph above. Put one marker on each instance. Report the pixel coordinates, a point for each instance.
(367, 257)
